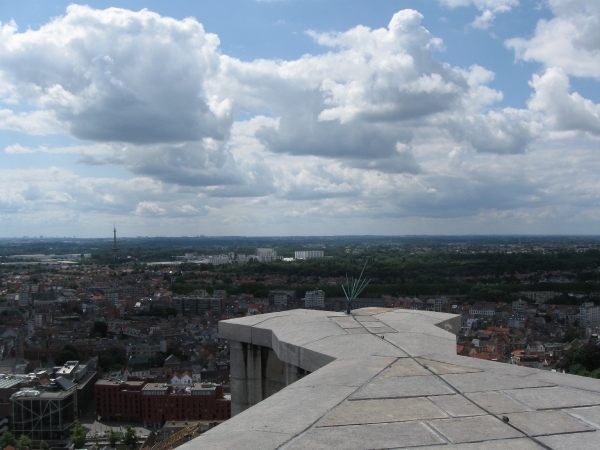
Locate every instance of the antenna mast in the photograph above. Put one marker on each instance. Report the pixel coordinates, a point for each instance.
(353, 288)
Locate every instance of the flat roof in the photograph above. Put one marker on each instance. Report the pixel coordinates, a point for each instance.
(385, 378)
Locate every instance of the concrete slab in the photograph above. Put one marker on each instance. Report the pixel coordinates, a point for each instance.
(365, 319)
(381, 330)
(346, 372)
(572, 441)
(554, 397)
(487, 381)
(590, 415)
(416, 326)
(415, 344)
(405, 367)
(246, 439)
(474, 429)
(371, 311)
(502, 444)
(346, 322)
(491, 366)
(356, 412)
(300, 331)
(445, 368)
(563, 379)
(542, 423)
(360, 330)
(497, 402)
(397, 387)
(370, 324)
(362, 437)
(349, 346)
(290, 411)
(457, 406)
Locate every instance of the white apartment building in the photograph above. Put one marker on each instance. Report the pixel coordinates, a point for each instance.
(308, 254)
(589, 313)
(314, 299)
(266, 254)
(219, 259)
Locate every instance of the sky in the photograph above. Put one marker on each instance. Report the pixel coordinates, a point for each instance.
(299, 117)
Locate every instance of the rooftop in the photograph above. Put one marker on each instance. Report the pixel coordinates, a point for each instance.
(386, 378)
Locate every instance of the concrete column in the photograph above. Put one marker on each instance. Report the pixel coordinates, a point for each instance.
(257, 373)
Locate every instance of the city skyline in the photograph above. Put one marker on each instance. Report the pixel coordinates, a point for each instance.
(289, 117)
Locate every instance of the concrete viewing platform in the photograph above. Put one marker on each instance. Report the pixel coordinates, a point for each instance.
(388, 378)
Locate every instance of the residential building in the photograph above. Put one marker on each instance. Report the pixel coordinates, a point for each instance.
(483, 309)
(266, 254)
(589, 313)
(309, 254)
(314, 299)
(282, 299)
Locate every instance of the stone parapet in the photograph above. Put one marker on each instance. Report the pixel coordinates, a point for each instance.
(385, 378)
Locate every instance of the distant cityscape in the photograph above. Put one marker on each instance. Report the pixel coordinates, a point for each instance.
(121, 341)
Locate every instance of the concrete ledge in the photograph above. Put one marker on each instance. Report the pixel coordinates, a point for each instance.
(313, 379)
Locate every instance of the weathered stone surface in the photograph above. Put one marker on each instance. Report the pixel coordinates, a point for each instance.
(290, 411)
(396, 387)
(349, 346)
(497, 402)
(474, 429)
(589, 384)
(405, 367)
(488, 381)
(574, 441)
(346, 322)
(502, 444)
(554, 397)
(236, 440)
(474, 363)
(370, 311)
(445, 368)
(416, 345)
(362, 437)
(352, 378)
(457, 406)
(346, 372)
(381, 330)
(540, 423)
(385, 410)
(590, 415)
(361, 330)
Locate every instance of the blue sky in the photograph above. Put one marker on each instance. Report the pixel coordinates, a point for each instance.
(299, 117)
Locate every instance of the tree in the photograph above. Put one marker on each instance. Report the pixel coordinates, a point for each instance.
(113, 437)
(129, 437)
(100, 329)
(7, 439)
(24, 441)
(113, 359)
(44, 445)
(77, 437)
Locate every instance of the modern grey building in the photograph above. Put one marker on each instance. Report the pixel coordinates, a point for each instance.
(45, 412)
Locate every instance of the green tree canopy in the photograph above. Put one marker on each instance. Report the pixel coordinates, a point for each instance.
(24, 441)
(100, 329)
(129, 437)
(77, 437)
(114, 437)
(44, 445)
(113, 359)
(7, 439)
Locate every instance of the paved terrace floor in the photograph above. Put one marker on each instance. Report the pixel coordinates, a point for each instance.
(391, 379)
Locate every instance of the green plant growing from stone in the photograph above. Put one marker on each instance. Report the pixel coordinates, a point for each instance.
(354, 287)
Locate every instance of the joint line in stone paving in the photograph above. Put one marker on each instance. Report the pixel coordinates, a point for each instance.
(457, 391)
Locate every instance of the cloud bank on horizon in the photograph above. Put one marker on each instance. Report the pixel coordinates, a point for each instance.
(153, 126)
